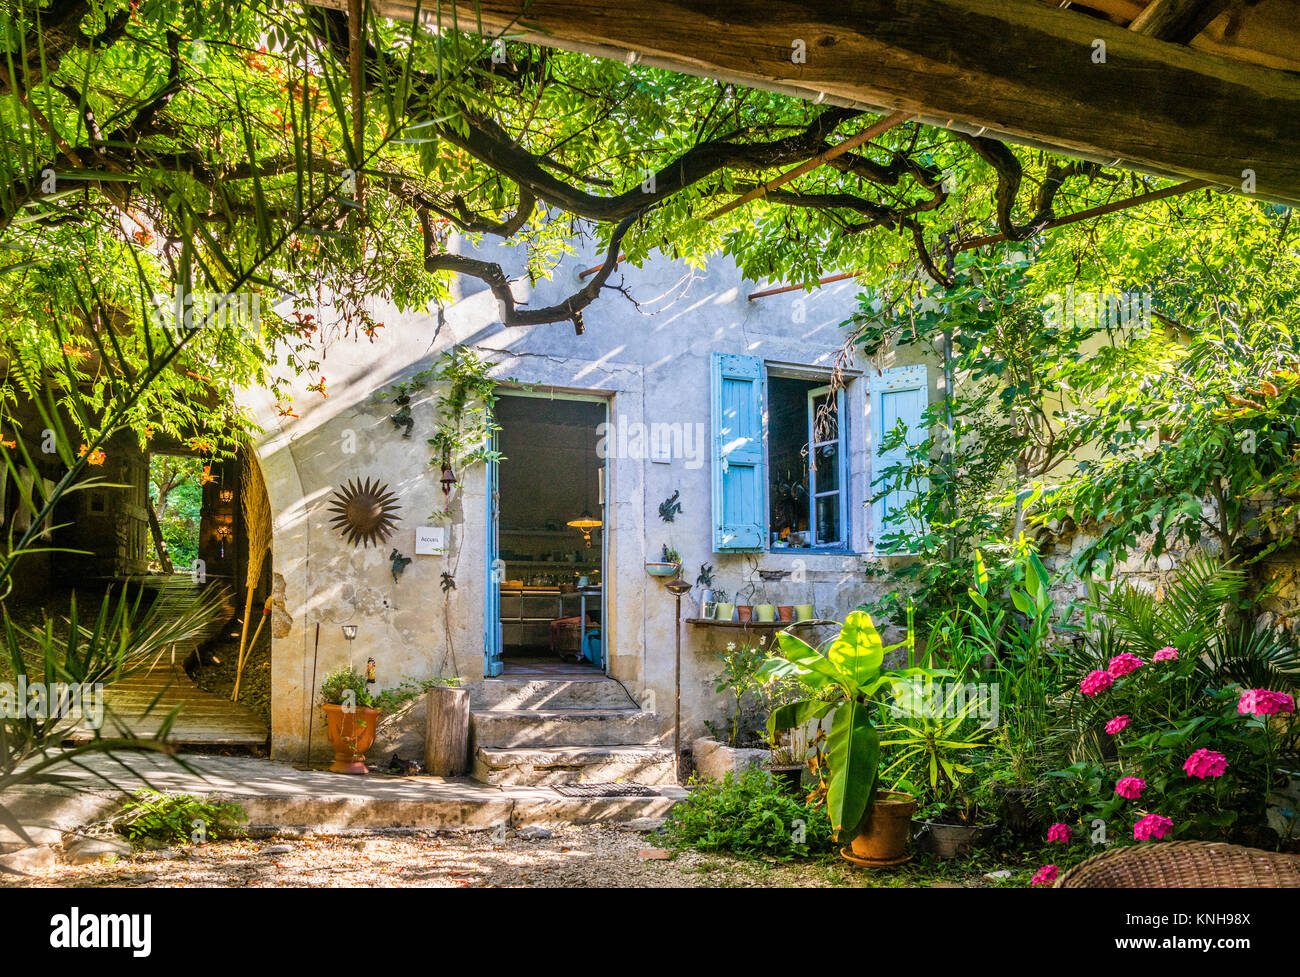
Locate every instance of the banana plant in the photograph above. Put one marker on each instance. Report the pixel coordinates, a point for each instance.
(847, 679)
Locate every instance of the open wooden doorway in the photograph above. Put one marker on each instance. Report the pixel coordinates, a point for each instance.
(550, 533)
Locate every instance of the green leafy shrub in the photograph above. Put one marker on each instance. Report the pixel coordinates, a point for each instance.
(748, 815)
(178, 817)
(390, 700)
(346, 682)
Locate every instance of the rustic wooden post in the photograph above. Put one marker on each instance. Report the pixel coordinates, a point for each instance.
(446, 733)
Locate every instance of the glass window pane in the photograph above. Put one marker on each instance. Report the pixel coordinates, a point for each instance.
(828, 519)
(828, 468)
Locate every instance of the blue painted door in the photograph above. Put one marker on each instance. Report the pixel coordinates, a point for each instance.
(494, 570)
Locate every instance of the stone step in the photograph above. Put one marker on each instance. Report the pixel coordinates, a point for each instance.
(649, 765)
(283, 800)
(506, 728)
(512, 694)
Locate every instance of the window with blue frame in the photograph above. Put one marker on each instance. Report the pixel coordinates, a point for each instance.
(807, 474)
(780, 471)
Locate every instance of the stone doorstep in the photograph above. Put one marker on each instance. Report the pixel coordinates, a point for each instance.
(649, 765)
(498, 694)
(503, 729)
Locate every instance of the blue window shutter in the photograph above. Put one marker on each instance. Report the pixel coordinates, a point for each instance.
(739, 513)
(899, 394)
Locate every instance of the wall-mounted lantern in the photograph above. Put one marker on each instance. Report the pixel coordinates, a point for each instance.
(224, 532)
(226, 495)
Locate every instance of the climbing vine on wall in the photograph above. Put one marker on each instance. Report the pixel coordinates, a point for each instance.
(465, 416)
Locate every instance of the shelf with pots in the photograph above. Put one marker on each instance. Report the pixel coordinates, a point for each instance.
(751, 625)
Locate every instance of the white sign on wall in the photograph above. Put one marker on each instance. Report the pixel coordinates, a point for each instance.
(430, 540)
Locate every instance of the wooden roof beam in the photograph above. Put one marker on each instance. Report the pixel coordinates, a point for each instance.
(1177, 21)
(1017, 68)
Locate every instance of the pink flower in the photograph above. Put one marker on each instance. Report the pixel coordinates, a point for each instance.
(1116, 724)
(1096, 682)
(1044, 876)
(1121, 665)
(1152, 826)
(1058, 832)
(1130, 787)
(1166, 654)
(1262, 702)
(1206, 763)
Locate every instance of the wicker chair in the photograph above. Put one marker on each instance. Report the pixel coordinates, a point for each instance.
(1184, 864)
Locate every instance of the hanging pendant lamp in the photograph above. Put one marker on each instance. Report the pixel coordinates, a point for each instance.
(586, 522)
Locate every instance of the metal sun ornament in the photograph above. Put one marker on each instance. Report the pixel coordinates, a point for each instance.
(364, 513)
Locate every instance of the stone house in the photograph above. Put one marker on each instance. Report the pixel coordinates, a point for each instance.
(696, 399)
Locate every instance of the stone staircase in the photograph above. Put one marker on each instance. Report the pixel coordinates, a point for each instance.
(531, 732)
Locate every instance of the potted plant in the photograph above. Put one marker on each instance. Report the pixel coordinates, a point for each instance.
(745, 612)
(848, 680)
(931, 736)
(724, 610)
(351, 718)
(668, 565)
(787, 767)
(1016, 783)
(763, 611)
(704, 580)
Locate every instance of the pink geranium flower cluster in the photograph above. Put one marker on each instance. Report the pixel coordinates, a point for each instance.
(1130, 787)
(1206, 763)
(1166, 654)
(1096, 681)
(1116, 724)
(1044, 876)
(1152, 826)
(1121, 665)
(1262, 702)
(1058, 832)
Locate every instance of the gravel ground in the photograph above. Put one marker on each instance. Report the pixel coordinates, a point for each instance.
(575, 857)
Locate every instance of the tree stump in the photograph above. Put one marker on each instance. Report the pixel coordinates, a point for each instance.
(446, 735)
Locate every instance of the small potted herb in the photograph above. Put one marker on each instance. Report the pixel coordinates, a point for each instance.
(723, 609)
(668, 565)
(704, 580)
(351, 718)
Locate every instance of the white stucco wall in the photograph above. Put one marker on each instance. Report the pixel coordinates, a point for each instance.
(652, 364)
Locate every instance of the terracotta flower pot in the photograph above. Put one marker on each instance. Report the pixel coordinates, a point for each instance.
(883, 838)
(351, 733)
(744, 612)
(785, 612)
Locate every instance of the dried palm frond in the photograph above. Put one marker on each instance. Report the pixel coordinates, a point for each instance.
(256, 506)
